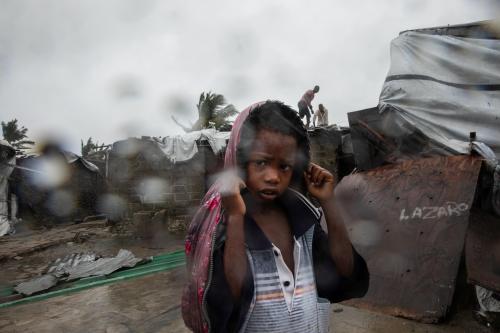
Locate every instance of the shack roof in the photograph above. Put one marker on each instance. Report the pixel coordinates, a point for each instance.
(488, 29)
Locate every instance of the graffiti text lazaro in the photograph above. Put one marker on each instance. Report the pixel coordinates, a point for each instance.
(434, 212)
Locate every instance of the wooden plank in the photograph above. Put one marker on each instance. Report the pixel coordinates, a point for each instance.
(19, 245)
(482, 251)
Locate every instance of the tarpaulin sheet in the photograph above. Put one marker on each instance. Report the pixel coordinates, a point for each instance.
(181, 148)
(446, 87)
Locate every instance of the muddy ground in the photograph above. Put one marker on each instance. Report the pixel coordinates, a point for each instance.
(152, 303)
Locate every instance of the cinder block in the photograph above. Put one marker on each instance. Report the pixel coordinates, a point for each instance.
(181, 197)
(197, 187)
(179, 188)
(195, 196)
(181, 178)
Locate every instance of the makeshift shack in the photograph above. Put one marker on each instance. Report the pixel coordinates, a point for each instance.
(166, 176)
(57, 186)
(429, 193)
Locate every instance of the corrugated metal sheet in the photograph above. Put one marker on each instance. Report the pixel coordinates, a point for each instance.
(409, 222)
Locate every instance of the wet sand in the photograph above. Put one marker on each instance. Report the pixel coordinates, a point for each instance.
(152, 304)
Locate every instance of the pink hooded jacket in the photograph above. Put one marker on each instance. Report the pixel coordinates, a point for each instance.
(200, 239)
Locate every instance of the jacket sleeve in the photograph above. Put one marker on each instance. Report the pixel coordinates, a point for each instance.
(224, 313)
(329, 283)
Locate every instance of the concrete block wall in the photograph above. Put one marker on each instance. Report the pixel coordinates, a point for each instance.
(325, 146)
(183, 184)
(187, 182)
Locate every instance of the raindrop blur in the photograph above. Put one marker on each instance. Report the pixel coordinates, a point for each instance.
(127, 86)
(366, 233)
(113, 206)
(227, 180)
(51, 171)
(390, 264)
(61, 203)
(152, 190)
(179, 106)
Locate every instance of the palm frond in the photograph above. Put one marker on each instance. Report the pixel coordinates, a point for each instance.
(226, 111)
(212, 111)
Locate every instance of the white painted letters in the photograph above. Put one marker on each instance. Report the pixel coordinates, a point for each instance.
(449, 209)
(417, 212)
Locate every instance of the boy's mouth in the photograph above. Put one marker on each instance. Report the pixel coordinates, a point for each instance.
(268, 193)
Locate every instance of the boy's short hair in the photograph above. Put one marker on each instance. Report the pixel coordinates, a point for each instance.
(277, 117)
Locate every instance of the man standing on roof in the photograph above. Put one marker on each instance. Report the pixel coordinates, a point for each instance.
(305, 107)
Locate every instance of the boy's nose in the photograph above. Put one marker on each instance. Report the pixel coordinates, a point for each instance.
(272, 176)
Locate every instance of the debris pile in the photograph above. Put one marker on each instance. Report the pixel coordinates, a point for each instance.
(89, 266)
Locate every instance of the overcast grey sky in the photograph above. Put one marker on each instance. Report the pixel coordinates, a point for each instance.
(118, 68)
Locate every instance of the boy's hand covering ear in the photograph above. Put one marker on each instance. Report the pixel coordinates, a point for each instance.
(231, 185)
(320, 182)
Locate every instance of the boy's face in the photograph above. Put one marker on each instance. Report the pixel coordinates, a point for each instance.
(270, 166)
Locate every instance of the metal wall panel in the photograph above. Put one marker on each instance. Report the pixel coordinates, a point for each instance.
(409, 222)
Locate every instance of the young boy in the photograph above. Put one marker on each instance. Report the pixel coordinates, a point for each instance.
(273, 268)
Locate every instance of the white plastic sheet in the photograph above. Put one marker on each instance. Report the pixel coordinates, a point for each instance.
(181, 148)
(446, 87)
(486, 300)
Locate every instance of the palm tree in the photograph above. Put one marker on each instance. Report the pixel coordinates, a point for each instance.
(16, 136)
(212, 111)
(88, 147)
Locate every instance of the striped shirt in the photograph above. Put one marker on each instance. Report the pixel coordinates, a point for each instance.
(270, 311)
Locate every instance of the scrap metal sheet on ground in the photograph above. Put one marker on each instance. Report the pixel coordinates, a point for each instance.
(482, 251)
(409, 222)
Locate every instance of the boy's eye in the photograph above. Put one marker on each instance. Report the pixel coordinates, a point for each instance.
(260, 162)
(285, 167)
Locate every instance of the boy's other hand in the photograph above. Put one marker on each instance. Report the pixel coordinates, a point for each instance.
(232, 201)
(320, 182)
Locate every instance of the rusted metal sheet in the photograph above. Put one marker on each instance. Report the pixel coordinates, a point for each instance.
(409, 222)
(482, 250)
